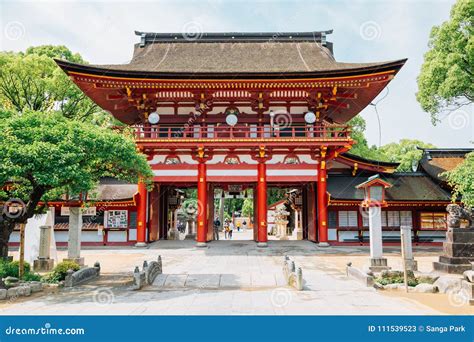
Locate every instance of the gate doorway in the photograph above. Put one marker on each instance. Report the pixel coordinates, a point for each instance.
(174, 209)
(234, 212)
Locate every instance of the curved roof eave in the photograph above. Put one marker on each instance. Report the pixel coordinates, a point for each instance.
(110, 72)
(374, 163)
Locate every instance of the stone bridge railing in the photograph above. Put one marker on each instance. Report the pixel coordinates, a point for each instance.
(293, 275)
(148, 273)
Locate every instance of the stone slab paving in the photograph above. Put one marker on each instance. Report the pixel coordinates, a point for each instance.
(226, 278)
(175, 281)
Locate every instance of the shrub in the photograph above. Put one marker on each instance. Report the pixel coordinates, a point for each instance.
(10, 269)
(31, 277)
(60, 271)
(396, 277)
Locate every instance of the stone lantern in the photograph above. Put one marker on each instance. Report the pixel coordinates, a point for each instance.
(281, 223)
(374, 200)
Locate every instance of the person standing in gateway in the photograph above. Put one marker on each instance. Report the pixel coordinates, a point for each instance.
(231, 229)
(217, 225)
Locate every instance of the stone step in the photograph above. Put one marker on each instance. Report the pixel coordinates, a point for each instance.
(451, 268)
(217, 281)
(455, 260)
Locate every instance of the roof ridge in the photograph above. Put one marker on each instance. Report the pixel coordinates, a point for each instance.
(249, 37)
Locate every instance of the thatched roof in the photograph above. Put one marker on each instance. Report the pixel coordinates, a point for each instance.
(110, 189)
(436, 161)
(235, 53)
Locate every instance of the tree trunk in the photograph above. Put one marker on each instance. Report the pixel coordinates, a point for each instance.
(6, 228)
(7, 224)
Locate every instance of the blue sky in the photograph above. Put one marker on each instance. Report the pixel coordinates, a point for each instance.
(364, 31)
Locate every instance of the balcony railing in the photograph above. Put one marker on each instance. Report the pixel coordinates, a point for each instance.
(240, 132)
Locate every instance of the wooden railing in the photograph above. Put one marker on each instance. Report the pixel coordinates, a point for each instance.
(241, 132)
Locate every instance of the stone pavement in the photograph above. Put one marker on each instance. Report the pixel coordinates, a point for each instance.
(228, 277)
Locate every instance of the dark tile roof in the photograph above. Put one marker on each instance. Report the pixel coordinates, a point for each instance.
(183, 37)
(369, 161)
(410, 186)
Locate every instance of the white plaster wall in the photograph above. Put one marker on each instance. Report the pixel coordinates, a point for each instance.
(232, 172)
(186, 110)
(291, 172)
(117, 236)
(244, 159)
(91, 236)
(185, 159)
(175, 172)
(332, 234)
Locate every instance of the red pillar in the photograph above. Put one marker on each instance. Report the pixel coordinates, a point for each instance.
(322, 204)
(141, 214)
(202, 205)
(262, 204)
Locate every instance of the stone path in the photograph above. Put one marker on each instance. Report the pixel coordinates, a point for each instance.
(226, 278)
(218, 281)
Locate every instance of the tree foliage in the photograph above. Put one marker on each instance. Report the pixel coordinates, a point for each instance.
(461, 179)
(361, 148)
(44, 155)
(32, 81)
(405, 152)
(446, 78)
(247, 207)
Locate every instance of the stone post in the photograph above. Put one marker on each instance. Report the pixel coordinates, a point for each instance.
(405, 235)
(44, 263)
(459, 245)
(297, 232)
(173, 233)
(74, 238)
(377, 261)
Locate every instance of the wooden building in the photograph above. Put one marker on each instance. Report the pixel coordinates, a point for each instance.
(253, 111)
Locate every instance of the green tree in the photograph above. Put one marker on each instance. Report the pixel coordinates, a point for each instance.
(405, 152)
(446, 79)
(247, 207)
(43, 155)
(461, 179)
(276, 194)
(361, 148)
(31, 80)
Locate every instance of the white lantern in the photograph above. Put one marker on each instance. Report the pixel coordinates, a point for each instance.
(154, 118)
(310, 118)
(231, 119)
